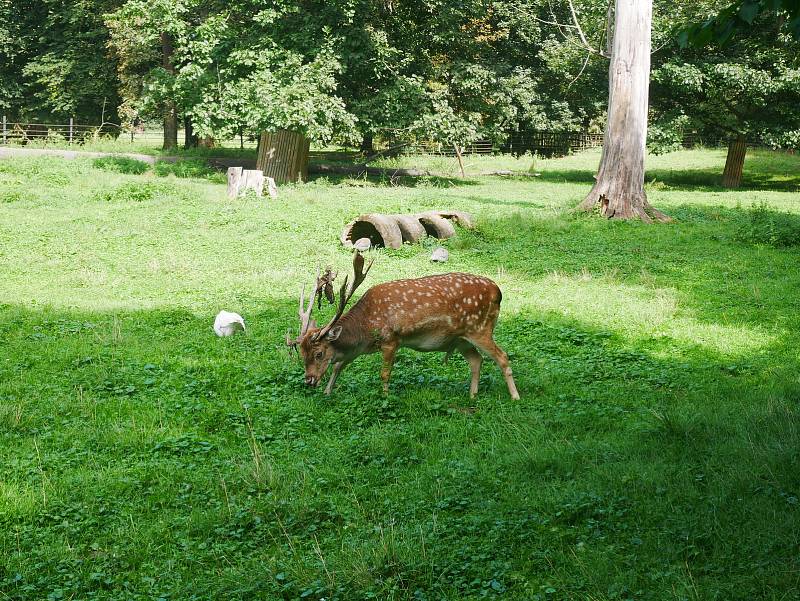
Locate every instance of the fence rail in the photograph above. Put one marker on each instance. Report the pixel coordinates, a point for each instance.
(543, 142)
(23, 132)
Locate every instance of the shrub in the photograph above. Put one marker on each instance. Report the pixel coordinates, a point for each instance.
(763, 225)
(121, 165)
(137, 192)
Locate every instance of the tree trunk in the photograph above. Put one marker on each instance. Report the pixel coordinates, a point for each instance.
(283, 156)
(619, 189)
(732, 176)
(170, 111)
(367, 145)
(189, 137)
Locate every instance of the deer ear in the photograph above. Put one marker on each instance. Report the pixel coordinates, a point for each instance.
(333, 333)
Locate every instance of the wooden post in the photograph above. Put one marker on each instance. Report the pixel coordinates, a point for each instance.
(4, 129)
(234, 181)
(283, 156)
(70, 130)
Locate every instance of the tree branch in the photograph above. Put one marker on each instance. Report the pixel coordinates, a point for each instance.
(577, 26)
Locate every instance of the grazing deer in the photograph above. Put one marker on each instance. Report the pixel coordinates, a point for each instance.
(449, 312)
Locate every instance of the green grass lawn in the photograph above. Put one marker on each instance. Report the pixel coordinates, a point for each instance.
(655, 453)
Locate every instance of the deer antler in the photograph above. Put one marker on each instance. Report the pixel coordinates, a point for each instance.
(304, 313)
(345, 293)
(325, 287)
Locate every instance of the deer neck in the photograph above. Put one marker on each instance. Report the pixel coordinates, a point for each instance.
(354, 339)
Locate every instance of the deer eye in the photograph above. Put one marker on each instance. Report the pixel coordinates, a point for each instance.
(319, 355)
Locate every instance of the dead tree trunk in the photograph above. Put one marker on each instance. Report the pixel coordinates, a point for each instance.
(619, 189)
(283, 156)
(170, 111)
(734, 164)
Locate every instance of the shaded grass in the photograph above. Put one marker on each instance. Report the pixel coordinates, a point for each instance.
(653, 454)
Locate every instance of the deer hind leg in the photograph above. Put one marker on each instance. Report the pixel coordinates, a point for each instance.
(337, 367)
(489, 346)
(389, 351)
(474, 359)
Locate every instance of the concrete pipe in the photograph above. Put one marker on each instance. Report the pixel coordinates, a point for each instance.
(410, 228)
(382, 230)
(463, 219)
(436, 226)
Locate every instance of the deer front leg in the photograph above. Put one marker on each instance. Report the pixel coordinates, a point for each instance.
(337, 367)
(389, 351)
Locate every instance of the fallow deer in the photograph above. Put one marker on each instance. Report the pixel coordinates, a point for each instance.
(449, 312)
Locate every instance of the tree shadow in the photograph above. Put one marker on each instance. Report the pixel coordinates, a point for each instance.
(617, 451)
(389, 181)
(759, 174)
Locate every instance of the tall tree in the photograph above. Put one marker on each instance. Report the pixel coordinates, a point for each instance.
(735, 76)
(53, 62)
(619, 189)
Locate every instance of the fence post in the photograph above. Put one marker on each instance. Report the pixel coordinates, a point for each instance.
(4, 129)
(70, 130)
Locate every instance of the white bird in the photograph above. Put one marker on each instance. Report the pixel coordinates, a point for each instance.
(227, 323)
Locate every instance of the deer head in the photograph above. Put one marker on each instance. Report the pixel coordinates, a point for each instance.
(315, 344)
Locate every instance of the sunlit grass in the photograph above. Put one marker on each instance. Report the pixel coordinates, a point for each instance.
(653, 454)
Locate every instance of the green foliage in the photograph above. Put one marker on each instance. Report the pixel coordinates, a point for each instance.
(121, 165)
(188, 168)
(133, 191)
(750, 87)
(667, 136)
(653, 454)
(764, 225)
(737, 19)
(53, 61)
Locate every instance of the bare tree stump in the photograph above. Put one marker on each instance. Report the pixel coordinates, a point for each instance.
(234, 181)
(240, 180)
(271, 187)
(252, 179)
(283, 156)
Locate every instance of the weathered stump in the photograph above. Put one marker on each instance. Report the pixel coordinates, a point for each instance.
(252, 179)
(283, 156)
(234, 181)
(240, 180)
